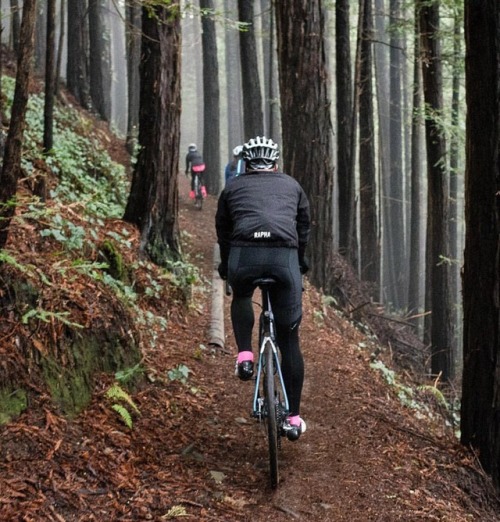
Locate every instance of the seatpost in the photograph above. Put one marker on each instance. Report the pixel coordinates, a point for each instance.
(268, 312)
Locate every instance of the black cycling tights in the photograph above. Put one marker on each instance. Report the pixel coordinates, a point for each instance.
(200, 175)
(287, 337)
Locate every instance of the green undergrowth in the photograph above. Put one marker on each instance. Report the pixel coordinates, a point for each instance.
(12, 403)
(82, 244)
(429, 400)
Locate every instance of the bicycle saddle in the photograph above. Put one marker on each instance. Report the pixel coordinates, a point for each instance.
(264, 281)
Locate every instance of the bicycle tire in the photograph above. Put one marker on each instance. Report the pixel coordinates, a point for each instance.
(198, 202)
(271, 416)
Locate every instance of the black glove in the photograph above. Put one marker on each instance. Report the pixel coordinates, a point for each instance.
(222, 269)
(304, 265)
(303, 260)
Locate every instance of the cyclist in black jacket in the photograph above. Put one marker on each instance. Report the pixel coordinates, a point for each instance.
(195, 165)
(263, 227)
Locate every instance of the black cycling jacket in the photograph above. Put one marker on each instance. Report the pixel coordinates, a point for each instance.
(193, 158)
(262, 209)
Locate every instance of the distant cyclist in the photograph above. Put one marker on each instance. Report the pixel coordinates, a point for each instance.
(263, 226)
(235, 166)
(195, 165)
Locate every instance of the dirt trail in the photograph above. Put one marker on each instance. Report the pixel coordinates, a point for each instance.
(364, 457)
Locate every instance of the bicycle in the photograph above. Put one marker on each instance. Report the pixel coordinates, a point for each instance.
(270, 402)
(198, 194)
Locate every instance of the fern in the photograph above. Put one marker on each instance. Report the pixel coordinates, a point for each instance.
(438, 394)
(117, 393)
(124, 414)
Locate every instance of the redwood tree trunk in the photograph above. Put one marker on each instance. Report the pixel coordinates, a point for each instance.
(48, 110)
(133, 35)
(437, 238)
(480, 415)
(211, 95)
(100, 60)
(153, 201)
(253, 119)
(307, 128)
(395, 227)
(416, 257)
(16, 24)
(233, 82)
(77, 76)
(343, 79)
(369, 236)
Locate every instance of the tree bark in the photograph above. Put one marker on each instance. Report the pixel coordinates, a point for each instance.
(12, 157)
(437, 237)
(345, 174)
(307, 128)
(211, 97)
(48, 110)
(59, 50)
(100, 60)
(395, 227)
(233, 83)
(153, 201)
(253, 119)
(455, 175)
(15, 24)
(369, 234)
(77, 76)
(480, 406)
(133, 37)
(416, 259)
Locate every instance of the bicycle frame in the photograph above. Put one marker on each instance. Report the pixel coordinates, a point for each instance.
(268, 338)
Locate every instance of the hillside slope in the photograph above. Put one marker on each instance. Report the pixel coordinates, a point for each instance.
(194, 452)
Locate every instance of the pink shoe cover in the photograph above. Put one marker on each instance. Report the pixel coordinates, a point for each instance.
(245, 356)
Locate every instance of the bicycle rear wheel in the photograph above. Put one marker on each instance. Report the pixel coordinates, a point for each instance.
(271, 415)
(198, 202)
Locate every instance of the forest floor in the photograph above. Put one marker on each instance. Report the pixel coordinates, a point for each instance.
(194, 452)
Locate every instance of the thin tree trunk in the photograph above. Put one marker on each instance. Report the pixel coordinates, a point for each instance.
(233, 83)
(40, 36)
(395, 196)
(15, 24)
(211, 96)
(454, 176)
(100, 60)
(48, 110)
(253, 119)
(414, 299)
(77, 76)
(60, 49)
(369, 237)
(12, 156)
(437, 239)
(133, 37)
(345, 173)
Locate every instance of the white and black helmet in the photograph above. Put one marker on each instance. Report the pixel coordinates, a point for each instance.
(261, 153)
(192, 147)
